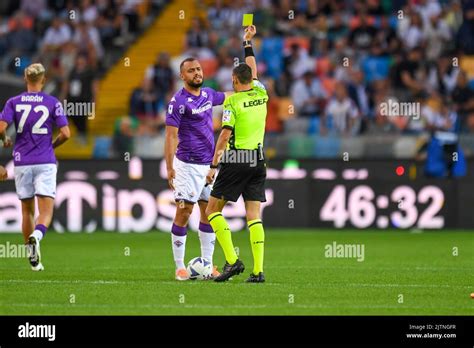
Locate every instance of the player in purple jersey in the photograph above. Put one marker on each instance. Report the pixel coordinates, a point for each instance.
(35, 114)
(189, 130)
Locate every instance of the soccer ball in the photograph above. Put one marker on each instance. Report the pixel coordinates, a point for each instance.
(199, 268)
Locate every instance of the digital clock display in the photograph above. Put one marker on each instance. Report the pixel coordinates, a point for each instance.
(392, 205)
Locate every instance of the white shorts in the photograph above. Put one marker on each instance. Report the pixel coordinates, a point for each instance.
(36, 179)
(190, 182)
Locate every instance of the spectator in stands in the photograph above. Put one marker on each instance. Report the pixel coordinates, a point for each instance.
(319, 33)
(299, 26)
(463, 99)
(79, 88)
(282, 13)
(362, 36)
(3, 36)
(234, 46)
(382, 123)
(308, 95)
(197, 36)
(454, 16)
(312, 11)
(443, 75)
(125, 129)
(386, 35)
(235, 12)
(297, 62)
(144, 104)
(273, 125)
(89, 12)
(283, 85)
(129, 9)
(20, 42)
(414, 35)
(440, 117)
(87, 38)
(223, 73)
(337, 28)
(34, 8)
(56, 35)
(465, 39)
(376, 65)
(216, 15)
(437, 35)
(109, 21)
(427, 9)
(161, 76)
(358, 92)
(341, 116)
(263, 17)
(375, 8)
(408, 75)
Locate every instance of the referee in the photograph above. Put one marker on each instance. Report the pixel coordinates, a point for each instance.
(242, 172)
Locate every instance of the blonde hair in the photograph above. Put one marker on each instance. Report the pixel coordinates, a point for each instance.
(35, 72)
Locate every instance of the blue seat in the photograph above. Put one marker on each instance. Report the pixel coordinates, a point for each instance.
(471, 84)
(102, 147)
(314, 125)
(326, 146)
(24, 61)
(271, 53)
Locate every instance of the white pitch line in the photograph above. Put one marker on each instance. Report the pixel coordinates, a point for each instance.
(133, 306)
(188, 306)
(61, 281)
(139, 282)
(408, 285)
(107, 282)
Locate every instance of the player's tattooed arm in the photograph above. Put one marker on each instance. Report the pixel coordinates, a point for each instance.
(7, 142)
(221, 145)
(171, 143)
(63, 136)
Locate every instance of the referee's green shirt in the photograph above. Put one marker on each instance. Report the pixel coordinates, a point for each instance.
(245, 113)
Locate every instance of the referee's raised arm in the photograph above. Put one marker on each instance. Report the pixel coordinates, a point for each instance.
(250, 32)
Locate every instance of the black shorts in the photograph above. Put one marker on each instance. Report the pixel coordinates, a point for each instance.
(235, 179)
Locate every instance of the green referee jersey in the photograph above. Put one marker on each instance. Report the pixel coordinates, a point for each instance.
(245, 113)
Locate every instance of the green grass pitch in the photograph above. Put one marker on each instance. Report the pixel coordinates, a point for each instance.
(403, 273)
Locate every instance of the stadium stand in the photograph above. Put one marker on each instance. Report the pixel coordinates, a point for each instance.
(331, 65)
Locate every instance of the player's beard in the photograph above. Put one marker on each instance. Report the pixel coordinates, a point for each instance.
(195, 85)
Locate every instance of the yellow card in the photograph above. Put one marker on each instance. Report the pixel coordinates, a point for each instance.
(247, 20)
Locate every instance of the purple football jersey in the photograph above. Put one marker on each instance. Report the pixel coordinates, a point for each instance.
(192, 116)
(34, 115)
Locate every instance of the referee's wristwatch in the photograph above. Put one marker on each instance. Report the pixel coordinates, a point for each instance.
(212, 166)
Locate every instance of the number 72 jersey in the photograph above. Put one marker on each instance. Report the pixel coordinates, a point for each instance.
(35, 115)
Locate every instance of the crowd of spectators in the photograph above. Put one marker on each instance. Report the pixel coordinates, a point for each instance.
(70, 37)
(335, 62)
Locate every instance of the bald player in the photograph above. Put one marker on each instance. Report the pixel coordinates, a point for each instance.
(189, 148)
